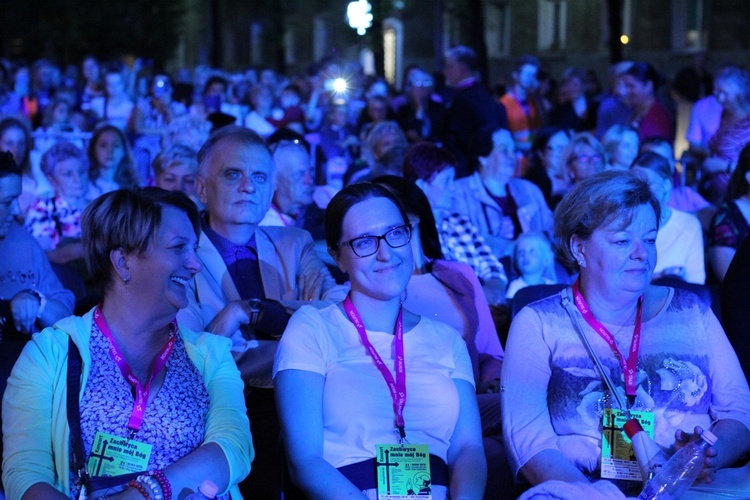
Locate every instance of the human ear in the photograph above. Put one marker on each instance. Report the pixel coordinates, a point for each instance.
(119, 260)
(200, 189)
(578, 249)
(335, 254)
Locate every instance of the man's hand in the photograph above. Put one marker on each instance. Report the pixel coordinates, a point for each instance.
(230, 319)
(25, 307)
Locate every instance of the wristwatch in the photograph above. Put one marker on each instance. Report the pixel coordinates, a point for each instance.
(40, 297)
(256, 308)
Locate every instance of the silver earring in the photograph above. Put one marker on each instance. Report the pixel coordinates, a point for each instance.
(580, 262)
(126, 280)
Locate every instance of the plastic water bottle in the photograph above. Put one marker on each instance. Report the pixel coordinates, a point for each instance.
(680, 472)
(649, 455)
(206, 491)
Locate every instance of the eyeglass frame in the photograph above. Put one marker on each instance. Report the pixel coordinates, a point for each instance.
(384, 236)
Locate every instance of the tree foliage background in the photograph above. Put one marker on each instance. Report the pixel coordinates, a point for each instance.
(65, 30)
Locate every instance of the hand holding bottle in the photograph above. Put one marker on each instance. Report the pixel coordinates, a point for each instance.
(682, 438)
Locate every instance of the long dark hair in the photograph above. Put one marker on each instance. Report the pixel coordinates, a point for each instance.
(416, 203)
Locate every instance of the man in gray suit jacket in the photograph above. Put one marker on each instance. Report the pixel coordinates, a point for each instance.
(252, 278)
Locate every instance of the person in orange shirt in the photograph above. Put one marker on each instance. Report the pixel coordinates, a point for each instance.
(524, 114)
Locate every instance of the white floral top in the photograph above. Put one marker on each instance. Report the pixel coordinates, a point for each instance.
(553, 396)
(52, 220)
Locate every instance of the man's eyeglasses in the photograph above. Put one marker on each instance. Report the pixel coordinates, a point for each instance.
(420, 83)
(364, 246)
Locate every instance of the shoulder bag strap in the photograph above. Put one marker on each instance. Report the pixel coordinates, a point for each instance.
(74, 415)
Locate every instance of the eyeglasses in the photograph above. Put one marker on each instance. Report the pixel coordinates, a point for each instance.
(588, 158)
(283, 143)
(364, 246)
(420, 83)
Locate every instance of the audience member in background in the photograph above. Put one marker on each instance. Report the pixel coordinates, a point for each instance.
(140, 247)
(554, 400)
(613, 107)
(31, 296)
(524, 115)
(421, 118)
(683, 197)
(679, 242)
(327, 379)
(500, 206)
(546, 168)
(472, 108)
(575, 110)
(55, 222)
(533, 262)
(57, 124)
(115, 107)
(251, 278)
(188, 130)
(92, 84)
(151, 117)
(650, 116)
(294, 185)
(449, 291)
(337, 137)
(45, 77)
(111, 164)
(378, 110)
(382, 137)
(583, 157)
(260, 118)
(175, 169)
(621, 146)
(289, 114)
(431, 168)
(731, 223)
(694, 82)
(15, 138)
(732, 90)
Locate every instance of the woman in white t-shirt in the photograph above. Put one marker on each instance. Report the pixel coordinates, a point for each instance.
(679, 242)
(342, 403)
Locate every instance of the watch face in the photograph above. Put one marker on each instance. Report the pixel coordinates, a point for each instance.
(256, 307)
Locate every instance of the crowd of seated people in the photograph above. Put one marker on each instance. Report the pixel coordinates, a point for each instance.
(479, 180)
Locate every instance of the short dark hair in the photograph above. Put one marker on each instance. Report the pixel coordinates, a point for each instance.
(522, 61)
(415, 203)
(215, 79)
(12, 122)
(465, 56)
(424, 159)
(126, 219)
(654, 162)
(240, 134)
(597, 201)
(644, 72)
(345, 199)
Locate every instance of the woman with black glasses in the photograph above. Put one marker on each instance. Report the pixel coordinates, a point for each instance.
(373, 398)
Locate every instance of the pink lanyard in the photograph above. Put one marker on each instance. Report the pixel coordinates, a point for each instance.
(397, 386)
(629, 367)
(141, 391)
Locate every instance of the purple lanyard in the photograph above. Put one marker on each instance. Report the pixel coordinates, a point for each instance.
(629, 367)
(141, 391)
(397, 386)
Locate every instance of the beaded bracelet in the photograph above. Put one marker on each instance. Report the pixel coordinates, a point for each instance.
(166, 487)
(153, 485)
(141, 489)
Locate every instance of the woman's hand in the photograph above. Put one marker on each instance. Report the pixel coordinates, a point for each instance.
(682, 439)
